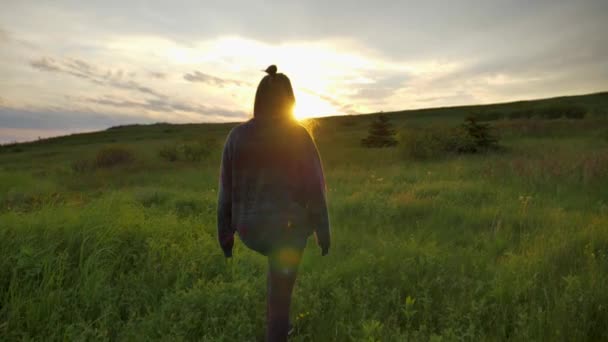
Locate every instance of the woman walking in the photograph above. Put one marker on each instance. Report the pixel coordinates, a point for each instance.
(272, 193)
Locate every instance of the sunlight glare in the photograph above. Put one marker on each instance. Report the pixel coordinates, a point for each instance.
(325, 75)
(309, 105)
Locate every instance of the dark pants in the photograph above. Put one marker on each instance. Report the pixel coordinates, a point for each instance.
(282, 271)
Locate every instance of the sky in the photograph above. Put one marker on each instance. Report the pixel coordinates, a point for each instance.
(75, 66)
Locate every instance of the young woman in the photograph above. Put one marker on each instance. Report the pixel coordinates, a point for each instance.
(272, 193)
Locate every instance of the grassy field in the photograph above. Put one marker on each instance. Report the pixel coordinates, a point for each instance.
(510, 245)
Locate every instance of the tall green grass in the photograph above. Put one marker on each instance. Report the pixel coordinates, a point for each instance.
(504, 246)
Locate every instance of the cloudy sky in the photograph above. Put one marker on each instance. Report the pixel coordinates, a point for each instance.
(70, 66)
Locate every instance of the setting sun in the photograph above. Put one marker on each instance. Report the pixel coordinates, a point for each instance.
(309, 105)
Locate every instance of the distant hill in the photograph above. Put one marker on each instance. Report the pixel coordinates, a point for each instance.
(592, 105)
(595, 104)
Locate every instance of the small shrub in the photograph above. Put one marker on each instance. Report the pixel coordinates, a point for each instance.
(480, 134)
(196, 151)
(113, 156)
(381, 133)
(471, 137)
(434, 142)
(457, 140)
(169, 153)
(422, 144)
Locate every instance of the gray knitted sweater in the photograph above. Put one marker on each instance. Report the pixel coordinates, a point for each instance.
(271, 188)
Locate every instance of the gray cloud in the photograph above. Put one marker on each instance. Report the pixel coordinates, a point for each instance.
(375, 93)
(119, 79)
(81, 69)
(122, 103)
(20, 124)
(399, 29)
(453, 97)
(54, 119)
(546, 59)
(544, 71)
(169, 106)
(197, 76)
(348, 109)
(45, 64)
(132, 85)
(493, 32)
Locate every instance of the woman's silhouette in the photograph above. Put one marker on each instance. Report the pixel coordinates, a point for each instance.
(272, 193)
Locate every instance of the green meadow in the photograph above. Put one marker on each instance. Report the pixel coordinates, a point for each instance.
(504, 245)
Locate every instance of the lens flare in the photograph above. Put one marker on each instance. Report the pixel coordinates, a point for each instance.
(310, 105)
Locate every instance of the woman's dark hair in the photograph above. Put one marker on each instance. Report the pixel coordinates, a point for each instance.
(274, 97)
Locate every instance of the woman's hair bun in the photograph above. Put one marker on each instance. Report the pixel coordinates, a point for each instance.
(271, 70)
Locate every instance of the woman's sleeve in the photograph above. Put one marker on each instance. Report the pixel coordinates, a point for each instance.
(316, 194)
(225, 232)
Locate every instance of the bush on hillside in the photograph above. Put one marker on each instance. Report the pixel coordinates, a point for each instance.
(429, 143)
(111, 156)
(196, 151)
(480, 136)
(106, 157)
(423, 144)
(381, 133)
(169, 153)
(434, 142)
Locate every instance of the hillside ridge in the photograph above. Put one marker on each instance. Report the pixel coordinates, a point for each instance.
(595, 103)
